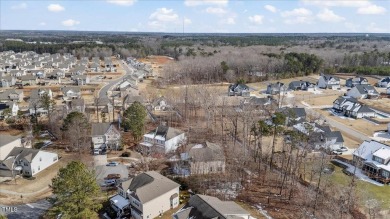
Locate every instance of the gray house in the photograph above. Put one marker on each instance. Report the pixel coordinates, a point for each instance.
(238, 90)
(208, 207)
(277, 88)
(352, 82)
(364, 91)
(105, 136)
(300, 85)
(350, 107)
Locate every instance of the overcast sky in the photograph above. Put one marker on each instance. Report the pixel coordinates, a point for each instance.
(206, 16)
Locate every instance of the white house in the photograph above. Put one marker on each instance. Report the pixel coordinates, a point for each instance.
(384, 82)
(208, 207)
(147, 195)
(162, 140)
(40, 92)
(329, 81)
(7, 143)
(70, 93)
(374, 159)
(363, 91)
(105, 135)
(31, 161)
(350, 107)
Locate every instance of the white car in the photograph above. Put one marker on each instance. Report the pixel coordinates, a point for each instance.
(112, 164)
(96, 151)
(343, 149)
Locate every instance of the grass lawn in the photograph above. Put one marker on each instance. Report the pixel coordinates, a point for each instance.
(381, 193)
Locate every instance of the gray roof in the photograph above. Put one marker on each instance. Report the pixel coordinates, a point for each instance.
(26, 153)
(5, 139)
(365, 88)
(100, 128)
(150, 185)
(206, 151)
(73, 88)
(166, 132)
(295, 112)
(27, 77)
(328, 77)
(337, 135)
(208, 207)
(35, 93)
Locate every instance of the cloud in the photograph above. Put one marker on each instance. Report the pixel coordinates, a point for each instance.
(271, 8)
(42, 24)
(70, 23)
(327, 15)
(193, 3)
(19, 6)
(216, 11)
(352, 27)
(296, 12)
(230, 21)
(373, 27)
(372, 9)
(338, 3)
(256, 19)
(55, 8)
(122, 2)
(297, 16)
(187, 21)
(164, 15)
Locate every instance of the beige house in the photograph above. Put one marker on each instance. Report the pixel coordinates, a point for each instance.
(146, 196)
(7, 143)
(205, 158)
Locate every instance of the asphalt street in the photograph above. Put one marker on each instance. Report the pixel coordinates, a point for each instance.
(29, 211)
(129, 71)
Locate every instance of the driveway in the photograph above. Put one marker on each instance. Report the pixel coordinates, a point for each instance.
(32, 210)
(106, 88)
(103, 170)
(100, 160)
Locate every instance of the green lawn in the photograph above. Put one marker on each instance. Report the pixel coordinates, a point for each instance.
(380, 193)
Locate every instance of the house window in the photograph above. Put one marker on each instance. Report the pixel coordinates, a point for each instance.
(40, 159)
(39, 168)
(385, 174)
(25, 164)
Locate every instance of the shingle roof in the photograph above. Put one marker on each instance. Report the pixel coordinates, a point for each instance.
(26, 153)
(5, 139)
(206, 151)
(150, 185)
(100, 128)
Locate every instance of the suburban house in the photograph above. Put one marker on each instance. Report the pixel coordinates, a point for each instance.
(276, 88)
(28, 80)
(160, 104)
(352, 82)
(13, 106)
(11, 95)
(31, 161)
(70, 93)
(7, 143)
(7, 81)
(321, 136)
(373, 158)
(364, 91)
(257, 104)
(208, 207)
(130, 99)
(329, 82)
(301, 85)
(163, 140)
(95, 67)
(238, 90)
(105, 136)
(75, 105)
(80, 79)
(384, 82)
(39, 92)
(147, 195)
(293, 115)
(204, 158)
(350, 107)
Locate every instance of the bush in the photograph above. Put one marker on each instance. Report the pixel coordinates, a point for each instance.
(126, 154)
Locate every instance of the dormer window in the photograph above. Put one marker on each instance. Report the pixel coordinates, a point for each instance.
(378, 159)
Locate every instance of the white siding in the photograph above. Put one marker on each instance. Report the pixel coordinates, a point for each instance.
(160, 204)
(173, 143)
(42, 161)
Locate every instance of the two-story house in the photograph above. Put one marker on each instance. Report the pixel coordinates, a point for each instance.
(276, 88)
(350, 107)
(70, 93)
(40, 92)
(364, 91)
(239, 90)
(11, 95)
(329, 82)
(105, 136)
(374, 159)
(162, 140)
(384, 82)
(147, 195)
(301, 85)
(30, 161)
(352, 82)
(205, 158)
(208, 207)
(7, 143)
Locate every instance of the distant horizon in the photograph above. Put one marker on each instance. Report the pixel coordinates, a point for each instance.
(198, 16)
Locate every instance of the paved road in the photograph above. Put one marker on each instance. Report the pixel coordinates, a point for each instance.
(102, 171)
(32, 210)
(129, 71)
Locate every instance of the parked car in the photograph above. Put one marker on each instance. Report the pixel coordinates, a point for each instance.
(113, 176)
(96, 151)
(343, 149)
(112, 164)
(336, 152)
